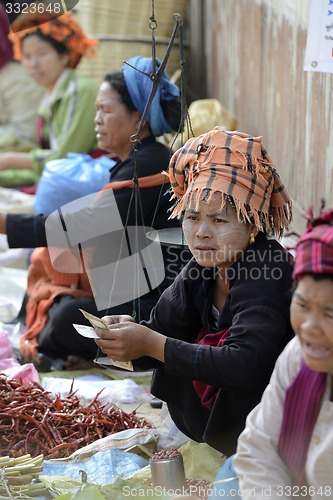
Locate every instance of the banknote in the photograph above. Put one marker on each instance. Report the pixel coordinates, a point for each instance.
(94, 320)
(89, 332)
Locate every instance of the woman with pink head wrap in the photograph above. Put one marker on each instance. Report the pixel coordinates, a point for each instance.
(286, 448)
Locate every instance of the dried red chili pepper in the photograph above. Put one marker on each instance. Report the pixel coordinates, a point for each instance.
(54, 426)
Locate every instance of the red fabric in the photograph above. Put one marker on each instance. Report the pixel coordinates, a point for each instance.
(40, 136)
(207, 393)
(300, 413)
(97, 153)
(28, 189)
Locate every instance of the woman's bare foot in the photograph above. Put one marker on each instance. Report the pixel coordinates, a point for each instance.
(77, 363)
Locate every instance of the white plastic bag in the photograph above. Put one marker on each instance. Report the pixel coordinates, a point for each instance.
(170, 435)
(114, 392)
(6, 350)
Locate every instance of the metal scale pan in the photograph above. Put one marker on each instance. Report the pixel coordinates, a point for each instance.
(168, 236)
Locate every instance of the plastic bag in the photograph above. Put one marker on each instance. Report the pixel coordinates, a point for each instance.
(14, 333)
(13, 284)
(101, 468)
(6, 350)
(115, 392)
(170, 435)
(67, 179)
(25, 374)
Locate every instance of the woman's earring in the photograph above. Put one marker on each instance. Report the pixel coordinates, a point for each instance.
(251, 240)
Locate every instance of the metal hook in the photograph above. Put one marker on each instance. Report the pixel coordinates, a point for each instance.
(153, 24)
(156, 77)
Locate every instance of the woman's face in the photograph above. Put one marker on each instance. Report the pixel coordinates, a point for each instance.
(215, 238)
(312, 320)
(43, 63)
(114, 123)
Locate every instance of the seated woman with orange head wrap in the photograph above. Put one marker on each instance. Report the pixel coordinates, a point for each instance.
(216, 332)
(50, 52)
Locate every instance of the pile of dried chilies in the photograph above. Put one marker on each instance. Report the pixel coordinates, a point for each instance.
(35, 422)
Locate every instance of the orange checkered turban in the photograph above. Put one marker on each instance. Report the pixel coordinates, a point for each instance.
(238, 167)
(62, 29)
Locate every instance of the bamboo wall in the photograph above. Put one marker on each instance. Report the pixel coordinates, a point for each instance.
(249, 54)
(122, 28)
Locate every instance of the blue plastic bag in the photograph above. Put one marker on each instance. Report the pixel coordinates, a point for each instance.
(67, 179)
(101, 468)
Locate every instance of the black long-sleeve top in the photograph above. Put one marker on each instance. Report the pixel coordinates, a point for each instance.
(257, 313)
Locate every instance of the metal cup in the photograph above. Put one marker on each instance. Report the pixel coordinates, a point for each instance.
(168, 473)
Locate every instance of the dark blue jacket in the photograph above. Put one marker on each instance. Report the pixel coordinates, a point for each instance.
(256, 311)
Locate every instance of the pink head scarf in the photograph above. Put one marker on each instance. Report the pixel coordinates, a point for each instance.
(314, 250)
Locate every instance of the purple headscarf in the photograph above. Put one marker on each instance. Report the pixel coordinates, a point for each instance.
(314, 250)
(6, 47)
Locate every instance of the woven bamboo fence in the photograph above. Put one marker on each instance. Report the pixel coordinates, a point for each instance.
(122, 28)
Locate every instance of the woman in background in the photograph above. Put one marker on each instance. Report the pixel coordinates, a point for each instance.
(293, 425)
(286, 449)
(19, 98)
(50, 52)
(54, 299)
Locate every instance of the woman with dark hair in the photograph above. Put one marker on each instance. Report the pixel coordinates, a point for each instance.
(50, 52)
(53, 299)
(216, 332)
